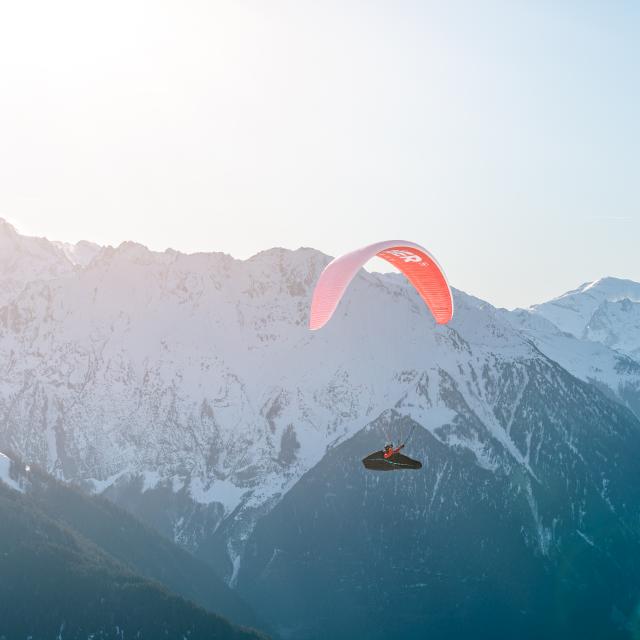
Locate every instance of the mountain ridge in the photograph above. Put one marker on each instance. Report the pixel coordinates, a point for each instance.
(192, 382)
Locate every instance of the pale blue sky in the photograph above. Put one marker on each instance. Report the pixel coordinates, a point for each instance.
(504, 136)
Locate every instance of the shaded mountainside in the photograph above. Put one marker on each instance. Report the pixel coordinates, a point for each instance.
(552, 550)
(56, 584)
(140, 548)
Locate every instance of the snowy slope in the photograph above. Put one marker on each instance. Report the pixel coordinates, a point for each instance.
(7, 476)
(24, 259)
(617, 325)
(81, 253)
(605, 311)
(611, 370)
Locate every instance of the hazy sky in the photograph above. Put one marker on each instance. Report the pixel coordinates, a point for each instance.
(504, 136)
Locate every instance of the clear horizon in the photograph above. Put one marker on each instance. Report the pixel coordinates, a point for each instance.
(502, 137)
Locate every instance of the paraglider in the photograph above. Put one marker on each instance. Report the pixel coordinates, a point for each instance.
(426, 276)
(414, 261)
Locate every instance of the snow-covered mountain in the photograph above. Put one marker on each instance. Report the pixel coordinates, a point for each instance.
(593, 332)
(459, 550)
(24, 259)
(188, 388)
(612, 371)
(197, 377)
(605, 311)
(81, 253)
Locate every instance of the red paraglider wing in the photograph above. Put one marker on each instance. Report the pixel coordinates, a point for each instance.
(415, 262)
(426, 276)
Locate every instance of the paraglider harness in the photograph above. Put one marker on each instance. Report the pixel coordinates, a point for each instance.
(390, 451)
(390, 458)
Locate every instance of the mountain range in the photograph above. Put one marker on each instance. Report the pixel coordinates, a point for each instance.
(188, 390)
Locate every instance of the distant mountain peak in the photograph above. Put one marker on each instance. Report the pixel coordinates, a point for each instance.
(80, 253)
(612, 286)
(575, 311)
(7, 228)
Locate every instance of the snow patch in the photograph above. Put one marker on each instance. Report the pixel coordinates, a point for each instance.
(223, 492)
(5, 474)
(586, 538)
(544, 534)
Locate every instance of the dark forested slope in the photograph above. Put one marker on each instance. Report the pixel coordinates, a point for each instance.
(55, 583)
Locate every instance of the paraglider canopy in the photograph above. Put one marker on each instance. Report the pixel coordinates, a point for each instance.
(414, 261)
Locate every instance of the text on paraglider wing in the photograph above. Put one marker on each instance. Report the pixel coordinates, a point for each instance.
(412, 260)
(406, 256)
